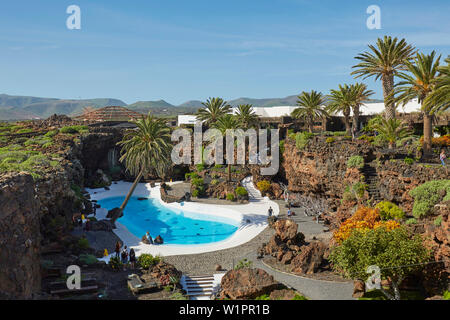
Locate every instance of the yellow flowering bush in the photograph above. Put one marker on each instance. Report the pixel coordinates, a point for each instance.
(363, 219)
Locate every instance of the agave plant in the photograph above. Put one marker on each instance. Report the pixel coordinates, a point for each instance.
(311, 108)
(143, 148)
(419, 83)
(385, 61)
(214, 109)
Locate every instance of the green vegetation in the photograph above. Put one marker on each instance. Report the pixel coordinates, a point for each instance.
(230, 197)
(302, 139)
(87, 259)
(390, 211)
(241, 192)
(355, 162)
(299, 297)
(427, 195)
(115, 263)
(74, 129)
(446, 295)
(310, 108)
(408, 161)
(437, 222)
(51, 133)
(242, 264)
(178, 296)
(330, 140)
(383, 248)
(263, 297)
(411, 221)
(147, 260)
(83, 243)
(263, 186)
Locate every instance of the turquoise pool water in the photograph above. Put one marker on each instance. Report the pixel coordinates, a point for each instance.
(174, 226)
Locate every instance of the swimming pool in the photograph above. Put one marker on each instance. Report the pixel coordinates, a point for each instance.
(175, 226)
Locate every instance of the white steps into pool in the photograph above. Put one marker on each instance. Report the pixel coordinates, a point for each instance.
(201, 287)
(253, 193)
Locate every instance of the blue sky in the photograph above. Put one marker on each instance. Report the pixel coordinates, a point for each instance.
(182, 50)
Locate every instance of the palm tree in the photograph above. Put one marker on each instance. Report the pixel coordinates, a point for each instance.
(391, 130)
(214, 109)
(420, 83)
(384, 61)
(340, 101)
(439, 99)
(359, 95)
(143, 148)
(310, 108)
(246, 116)
(224, 123)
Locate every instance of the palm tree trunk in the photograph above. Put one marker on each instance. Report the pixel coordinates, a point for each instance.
(127, 198)
(356, 118)
(427, 132)
(347, 122)
(388, 86)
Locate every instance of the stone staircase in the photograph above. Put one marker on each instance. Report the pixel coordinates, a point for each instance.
(370, 174)
(201, 287)
(253, 193)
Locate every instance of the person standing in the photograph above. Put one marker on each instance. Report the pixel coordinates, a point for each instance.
(132, 258)
(442, 157)
(117, 250)
(270, 211)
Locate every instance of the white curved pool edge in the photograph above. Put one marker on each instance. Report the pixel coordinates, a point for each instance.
(255, 212)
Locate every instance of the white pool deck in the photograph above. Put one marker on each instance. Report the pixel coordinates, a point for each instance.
(251, 218)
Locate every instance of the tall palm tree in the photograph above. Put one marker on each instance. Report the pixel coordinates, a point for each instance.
(310, 108)
(359, 95)
(391, 130)
(224, 123)
(340, 101)
(143, 148)
(420, 83)
(384, 61)
(214, 109)
(439, 99)
(246, 116)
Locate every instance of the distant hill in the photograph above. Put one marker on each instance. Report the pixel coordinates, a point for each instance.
(24, 107)
(21, 107)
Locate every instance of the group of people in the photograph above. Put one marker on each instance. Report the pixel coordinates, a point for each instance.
(149, 239)
(124, 255)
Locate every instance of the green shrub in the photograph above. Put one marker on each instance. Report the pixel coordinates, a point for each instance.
(446, 295)
(263, 297)
(218, 166)
(302, 139)
(241, 192)
(87, 259)
(51, 133)
(244, 263)
(191, 175)
(230, 197)
(74, 129)
(83, 243)
(411, 221)
(147, 260)
(115, 263)
(195, 193)
(197, 182)
(25, 130)
(355, 162)
(200, 167)
(214, 182)
(408, 161)
(437, 222)
(358, 189)
(389, 211)
(330, 140)
(427, 195)
(339, 133)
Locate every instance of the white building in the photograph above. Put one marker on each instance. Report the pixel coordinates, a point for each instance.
(280, 111)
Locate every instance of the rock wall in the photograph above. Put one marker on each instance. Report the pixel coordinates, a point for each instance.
(20, 275)
(321, 168)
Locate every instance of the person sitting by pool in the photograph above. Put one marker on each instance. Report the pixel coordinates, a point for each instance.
(149, 238)
(159, 240)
